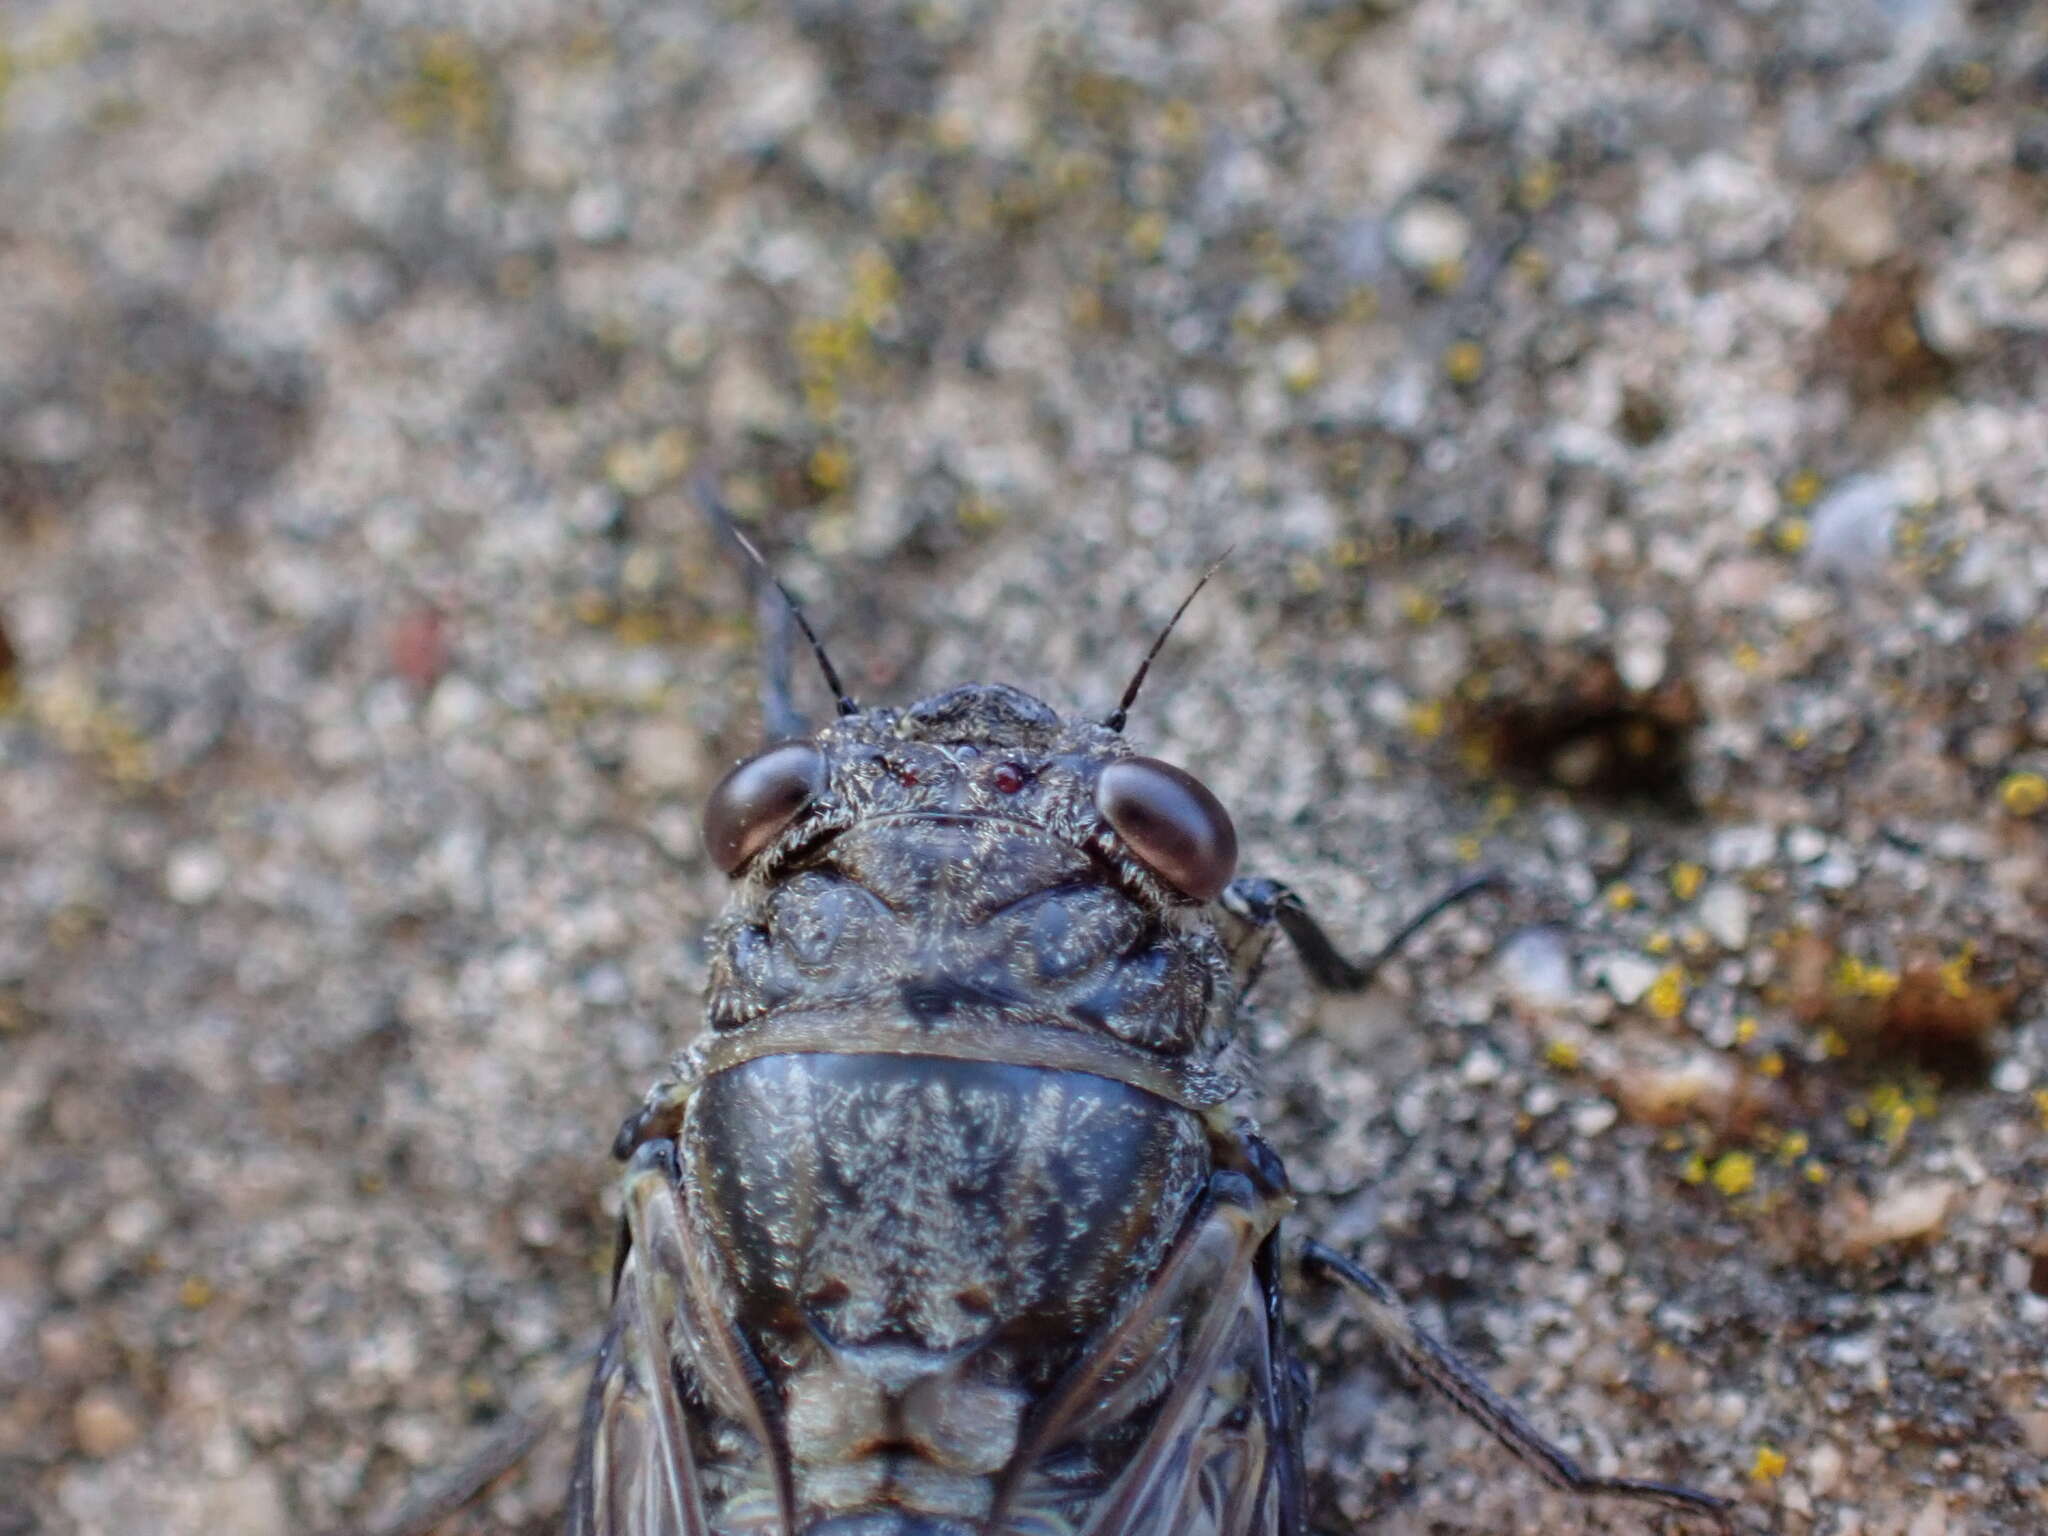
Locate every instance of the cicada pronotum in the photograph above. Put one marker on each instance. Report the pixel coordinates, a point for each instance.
(954, 1220)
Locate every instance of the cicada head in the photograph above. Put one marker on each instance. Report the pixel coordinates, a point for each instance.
(983, 751)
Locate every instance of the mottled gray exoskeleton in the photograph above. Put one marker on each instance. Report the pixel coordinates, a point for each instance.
(954, 1221)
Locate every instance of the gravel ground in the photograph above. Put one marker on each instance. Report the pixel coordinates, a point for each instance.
(1625, 419)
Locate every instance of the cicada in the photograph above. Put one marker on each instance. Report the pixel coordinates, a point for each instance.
(954, 1220)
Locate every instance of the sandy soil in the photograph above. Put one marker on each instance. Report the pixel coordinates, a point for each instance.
(1626, 419)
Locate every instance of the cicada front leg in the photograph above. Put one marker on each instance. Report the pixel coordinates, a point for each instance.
(1258, 908)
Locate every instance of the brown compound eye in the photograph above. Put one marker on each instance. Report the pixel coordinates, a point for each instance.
(1171, 822)
(758, 799)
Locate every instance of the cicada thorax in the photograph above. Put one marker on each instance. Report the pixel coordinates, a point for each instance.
(949, 1157)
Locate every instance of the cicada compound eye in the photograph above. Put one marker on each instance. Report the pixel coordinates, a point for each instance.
(758, 799)
(1171, 822)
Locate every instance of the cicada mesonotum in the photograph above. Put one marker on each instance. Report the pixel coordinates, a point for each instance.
(954, 1220)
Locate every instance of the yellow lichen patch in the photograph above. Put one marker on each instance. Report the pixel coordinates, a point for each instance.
(1419, 606)
(1536, 185)
(1745, 1029)
(1179, 123)
(1771, 1064)
(1145, 235)
(1301, 366)
(1621, 896)
(1426, 719)
(978, 513)
(1891, 1111)
(450, 90)
(1853, 978)
(1791, 535)
(1361, 304)
(906, 211)
(875, 287)
(87, 726)
(2024, 794)
(1531, 265)
(1955, 974)
(1734, 1173)
(1686, 880)
(1793, 1147)
(1666, 997)
(831, 467)
(1768, 1465)
(1561, 1168)
(1562, 1054)
(639, 467)
(2041, 1106)
(1475, 755)
(195, 1292)
(1803, 489)
(1695, 1170)
(1464, 361)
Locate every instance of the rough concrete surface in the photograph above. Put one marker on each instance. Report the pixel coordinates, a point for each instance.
(1626, 420)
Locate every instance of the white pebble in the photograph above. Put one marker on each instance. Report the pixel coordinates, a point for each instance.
(1429, 233)
(194, 874)
(1535, 968)
(1627, 977)
(1850, 530)
(1482, 1066)
(1724, 912)
(457, 705)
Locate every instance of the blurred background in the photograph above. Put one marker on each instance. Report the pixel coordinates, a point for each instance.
(1626, 420)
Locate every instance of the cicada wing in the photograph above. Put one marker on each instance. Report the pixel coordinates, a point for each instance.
(1219, 1455)
(635, 1472)
(1221, 1458)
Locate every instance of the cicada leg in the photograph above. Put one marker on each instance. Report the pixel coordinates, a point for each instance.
(1261, 905)
(1460, 1384)
(1258, 907)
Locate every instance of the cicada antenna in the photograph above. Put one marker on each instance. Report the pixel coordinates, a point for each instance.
(844, 700)
(1121, 713)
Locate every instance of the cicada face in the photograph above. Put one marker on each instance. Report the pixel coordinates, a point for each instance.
(948, 1224)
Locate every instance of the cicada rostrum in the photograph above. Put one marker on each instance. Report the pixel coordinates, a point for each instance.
(954, 1220)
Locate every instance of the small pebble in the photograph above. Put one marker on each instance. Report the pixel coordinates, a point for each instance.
(1855, 221)
(104, 1424)
(1535, 968)
(1627, 977)
(1482, 1066)
(194, 874)
(1666, 1093)
(598, 214)
(1723, 911)
(457, 705)
(1932, 1519)
(1910, 1213)
(1594, 1119)
(1805, 844)
(1739, 848)
(1850, 529)
(1824, 1468)
(1429, 235)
